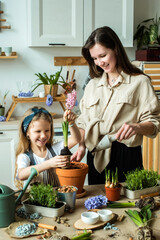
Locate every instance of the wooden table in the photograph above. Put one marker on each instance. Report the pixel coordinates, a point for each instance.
(15, 100)
(127, 227)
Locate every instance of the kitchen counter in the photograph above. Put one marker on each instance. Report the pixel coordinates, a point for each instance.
(127, 227)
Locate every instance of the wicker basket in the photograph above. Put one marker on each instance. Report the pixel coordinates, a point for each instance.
(53, 92)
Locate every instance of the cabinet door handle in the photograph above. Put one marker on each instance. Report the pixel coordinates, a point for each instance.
(1, 132)
(57, 44)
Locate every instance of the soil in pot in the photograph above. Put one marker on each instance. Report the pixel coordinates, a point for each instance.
(66, 152)
(113, 194)
(73, 176)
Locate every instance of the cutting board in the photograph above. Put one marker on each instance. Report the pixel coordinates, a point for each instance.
(12, 228)
(79, 224)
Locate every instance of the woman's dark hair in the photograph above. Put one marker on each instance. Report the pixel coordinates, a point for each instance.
(106, 37)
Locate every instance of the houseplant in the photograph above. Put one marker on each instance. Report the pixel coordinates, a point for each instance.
(43, 200)
(112, 186)
(142, 219)
(140, 182)
(147, 35)
(50, 82)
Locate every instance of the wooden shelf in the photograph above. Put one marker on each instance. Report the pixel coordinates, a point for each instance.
(13, 56)
(3, 20)
(5, 27)
(15, 100)
(69, 61)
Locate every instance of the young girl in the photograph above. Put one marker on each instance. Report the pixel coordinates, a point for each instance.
(36, 145)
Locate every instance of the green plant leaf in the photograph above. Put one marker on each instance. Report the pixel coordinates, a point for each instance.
(43, 195)
(65, 132)
(135, 216)
(48, 80)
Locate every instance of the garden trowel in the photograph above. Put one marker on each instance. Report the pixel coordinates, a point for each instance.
(105, 143)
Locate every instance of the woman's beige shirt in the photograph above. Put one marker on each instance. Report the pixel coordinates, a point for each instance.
(104, 109)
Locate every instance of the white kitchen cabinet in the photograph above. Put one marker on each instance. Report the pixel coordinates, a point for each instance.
(70, 22)
(57, 22)
(8, 143)
(117, 14)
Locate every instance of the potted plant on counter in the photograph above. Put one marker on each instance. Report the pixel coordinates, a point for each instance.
(147, 35)
(74, 174)
(148, 40)
(112, 186)
(140, 182)
(50, 82)
(43, 200)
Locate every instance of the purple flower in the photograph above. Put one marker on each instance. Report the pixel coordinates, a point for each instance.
(25, 94)
(95, 202)
(71, 99)
(49, 100)
(2, 119)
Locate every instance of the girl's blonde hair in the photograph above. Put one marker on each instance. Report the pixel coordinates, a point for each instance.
(24, 142)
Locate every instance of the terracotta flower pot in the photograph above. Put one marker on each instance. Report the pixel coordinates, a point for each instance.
(73, 176)
(53, 90)
(113, 194)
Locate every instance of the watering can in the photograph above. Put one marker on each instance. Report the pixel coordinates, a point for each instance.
(8, 203)
(105, 143)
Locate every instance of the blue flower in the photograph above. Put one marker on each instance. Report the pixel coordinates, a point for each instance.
(25, 94)
(95, 202)
(2, 119)
(49, 100)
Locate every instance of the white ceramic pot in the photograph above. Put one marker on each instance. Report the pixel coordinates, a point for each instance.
(89, 217)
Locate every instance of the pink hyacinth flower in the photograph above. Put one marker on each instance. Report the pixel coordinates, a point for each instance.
(71, 99)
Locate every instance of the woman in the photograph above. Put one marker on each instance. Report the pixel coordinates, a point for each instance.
(118, 101)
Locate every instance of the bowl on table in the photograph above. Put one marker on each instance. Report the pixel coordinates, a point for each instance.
(89, 217)
(105, 215)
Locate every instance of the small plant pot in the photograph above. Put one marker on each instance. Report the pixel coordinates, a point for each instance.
(53, 91)
(113, 194)
(69, 198)
(2, 110)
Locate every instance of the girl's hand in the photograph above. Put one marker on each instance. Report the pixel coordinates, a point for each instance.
(69, 116)
(58, 161)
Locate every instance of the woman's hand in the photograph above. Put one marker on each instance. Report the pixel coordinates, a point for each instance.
(79, 154)
(127, 131)
(58, 161)
(69, 116)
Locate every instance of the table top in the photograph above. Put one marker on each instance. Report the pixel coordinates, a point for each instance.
(127, 227)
